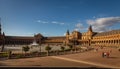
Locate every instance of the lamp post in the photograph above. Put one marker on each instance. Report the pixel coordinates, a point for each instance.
(3, 44)
(89, 42)
(40, 45)
(74, 42)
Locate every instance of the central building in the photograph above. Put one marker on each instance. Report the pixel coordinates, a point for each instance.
(89, 38)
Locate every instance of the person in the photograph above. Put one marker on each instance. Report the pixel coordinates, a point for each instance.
(107, 54)
(110, 51)
(101, 47)
(103, 54)
(119, 49)
(97, 49)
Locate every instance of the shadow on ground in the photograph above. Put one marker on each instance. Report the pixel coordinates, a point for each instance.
(114, 57)
(1, 64)
(52, 68)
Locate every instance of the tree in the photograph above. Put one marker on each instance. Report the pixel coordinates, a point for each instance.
(70, 46)
(9, 54)
(63, 48)
(48, 48)
(25, 49)
(80, 49)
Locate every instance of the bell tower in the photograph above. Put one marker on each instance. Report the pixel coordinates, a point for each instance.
(90, 29)
(67, 35)
(90, 32)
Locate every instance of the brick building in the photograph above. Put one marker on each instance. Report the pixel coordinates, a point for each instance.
(109, 38)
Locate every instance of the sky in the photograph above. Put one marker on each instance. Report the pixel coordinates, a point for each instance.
(55, 17)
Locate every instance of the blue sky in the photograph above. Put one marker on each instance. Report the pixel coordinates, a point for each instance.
(54, 17)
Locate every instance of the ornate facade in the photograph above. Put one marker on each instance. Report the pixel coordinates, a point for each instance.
(89, 38)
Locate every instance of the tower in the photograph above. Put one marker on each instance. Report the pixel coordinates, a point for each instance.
(67, 33)
(3, 34)
(90, 28)
(90, 32)
(89, 35)
(67, 37)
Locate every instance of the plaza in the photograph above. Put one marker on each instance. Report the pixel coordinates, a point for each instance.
(60, 33)
(86, 59)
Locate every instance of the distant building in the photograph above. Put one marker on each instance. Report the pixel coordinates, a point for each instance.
(89, 38)
(25, 40)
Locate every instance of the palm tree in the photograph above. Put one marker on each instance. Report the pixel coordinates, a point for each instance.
(48, 48)
(63, 48)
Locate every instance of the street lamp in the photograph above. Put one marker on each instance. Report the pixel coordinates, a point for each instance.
(3, 43)
(89, 42)
(74, 41)
(40, 45)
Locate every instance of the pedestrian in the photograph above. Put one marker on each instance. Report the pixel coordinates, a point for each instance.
(101, 47)
(119, 49)
(110, 51)
(97, 49)
(94, 50)
(103, 54)
(107, 54)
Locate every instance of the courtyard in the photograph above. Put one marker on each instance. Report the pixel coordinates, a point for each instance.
(85, 59)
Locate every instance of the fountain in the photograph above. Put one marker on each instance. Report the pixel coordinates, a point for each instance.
(34, 43)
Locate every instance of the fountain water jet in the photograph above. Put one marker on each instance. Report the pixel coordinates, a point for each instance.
(34, 43)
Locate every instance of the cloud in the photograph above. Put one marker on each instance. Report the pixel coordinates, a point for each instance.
(103, 24)
(76, 29)
(62, 23)
(52, 22)
(64, 34)
(59, 23)
(79, 26)
(44, 22)
(46, 34)
(94, 16)
(40, 21)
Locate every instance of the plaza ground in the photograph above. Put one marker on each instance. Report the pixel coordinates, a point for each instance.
(86, 59)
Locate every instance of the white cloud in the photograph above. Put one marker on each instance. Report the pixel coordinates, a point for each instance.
(40, 21)
(94, 16)
(44, 22)
(102, 24)
(59, 23)
(45, 34)
(79, 26)
(76, 29)
(54, 22)
(64, 34)
(62, 23)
